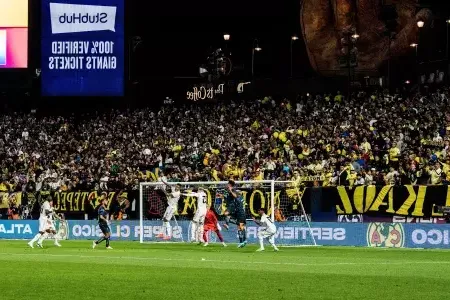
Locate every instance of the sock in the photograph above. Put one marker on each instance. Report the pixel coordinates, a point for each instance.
(205, 236)
(240, 235)
(241, 232)
(272, 241)
(100, 240)
(42, 238)
(219, 235)
(261, 242)
(36, 237)
(164, 227)
(200, 231)
(55, 236)
(107, 242)
(168, 229)
(194, 231)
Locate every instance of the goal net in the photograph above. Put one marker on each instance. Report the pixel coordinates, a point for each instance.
(292, 216)
(281, 200)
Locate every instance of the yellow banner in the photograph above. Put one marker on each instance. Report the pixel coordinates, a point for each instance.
(408, 200)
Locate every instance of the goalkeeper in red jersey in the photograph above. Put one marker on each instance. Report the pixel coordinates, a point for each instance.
(212, 224)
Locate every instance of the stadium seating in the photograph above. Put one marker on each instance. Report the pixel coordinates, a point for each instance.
(372, 138)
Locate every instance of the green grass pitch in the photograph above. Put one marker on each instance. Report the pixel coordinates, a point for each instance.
(186, 271)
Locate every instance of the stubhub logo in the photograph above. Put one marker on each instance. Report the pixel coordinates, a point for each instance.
(69, 18)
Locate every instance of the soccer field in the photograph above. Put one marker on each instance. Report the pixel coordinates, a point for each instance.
(182, 271)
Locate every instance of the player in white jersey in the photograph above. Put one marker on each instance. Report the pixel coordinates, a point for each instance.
(51, 226)
(162, 178)
(172, 205)
(46, 225)
(199, 217)
(267, 231)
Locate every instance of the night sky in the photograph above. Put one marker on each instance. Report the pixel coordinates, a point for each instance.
(177, 36)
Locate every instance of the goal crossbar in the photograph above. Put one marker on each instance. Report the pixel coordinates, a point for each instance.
(212, 182)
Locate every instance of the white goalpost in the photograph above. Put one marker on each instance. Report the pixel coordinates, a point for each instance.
(281, 200)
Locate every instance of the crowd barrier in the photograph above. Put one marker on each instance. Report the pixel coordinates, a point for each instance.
(391, 235)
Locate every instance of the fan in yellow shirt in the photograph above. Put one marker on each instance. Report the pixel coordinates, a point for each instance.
(5, 187)
(258, 175)
(328, 178)
(394, 152)
(435, 174)
(206, 159)
(305, 133)
(282, 137)
(227, 169)
(352, 177)
(366, 145)
(446, 167)
(215, 175)
(306, 151)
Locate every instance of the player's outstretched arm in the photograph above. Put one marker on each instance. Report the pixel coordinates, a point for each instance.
(233, 193)
(165, 193)
(256, 221)
(189, 194)
(56, 216)
(232, 221)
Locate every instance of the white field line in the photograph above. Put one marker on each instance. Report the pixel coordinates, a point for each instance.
(387, 263)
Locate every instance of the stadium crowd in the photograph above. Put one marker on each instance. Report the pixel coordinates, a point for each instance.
(369, 139)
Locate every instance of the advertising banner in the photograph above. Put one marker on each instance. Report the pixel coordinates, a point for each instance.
(289, 233)
(427, 236)
(82, 47)
(75, 204)
(365, 204)
(18, 229)
(379, 201)
(27, 229)
(409, 235)
(385, 235)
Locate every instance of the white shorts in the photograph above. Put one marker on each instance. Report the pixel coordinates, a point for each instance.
(199, 216)
(266, 233)
(169, 213)
(45, 224)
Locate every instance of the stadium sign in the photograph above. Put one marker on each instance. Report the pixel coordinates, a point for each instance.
(392, 235)
(82, 48)
(344, 204)
(431, 237)
(204, 93)
(74, 203)
(18, 229)
(15, 228)
(124, 230)
(288, 233)
(385, 235)
(408, 200)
